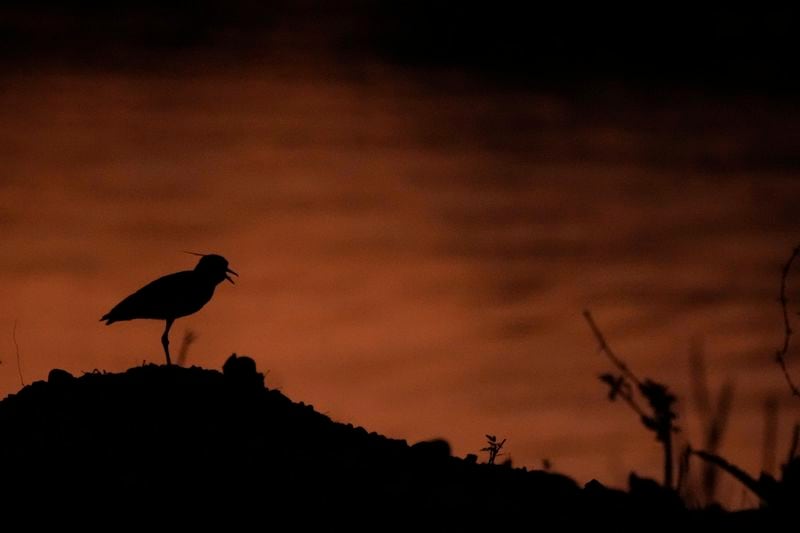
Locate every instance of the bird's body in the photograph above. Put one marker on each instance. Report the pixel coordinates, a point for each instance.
(173, 296)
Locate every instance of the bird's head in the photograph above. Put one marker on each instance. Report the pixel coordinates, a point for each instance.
(215, 267)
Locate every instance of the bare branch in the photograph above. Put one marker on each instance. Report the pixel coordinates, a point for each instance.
(16, 346)
(743, 477)
(780, 354)
(606, 349)
(659, 399)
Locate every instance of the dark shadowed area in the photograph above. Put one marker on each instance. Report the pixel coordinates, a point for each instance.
(241, 453)
(420, 202)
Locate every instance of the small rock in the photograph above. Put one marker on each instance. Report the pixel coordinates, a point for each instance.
(58, 376)
(434, 448)
(242, 370)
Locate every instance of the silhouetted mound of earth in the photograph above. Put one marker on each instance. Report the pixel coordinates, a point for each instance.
(190, 440)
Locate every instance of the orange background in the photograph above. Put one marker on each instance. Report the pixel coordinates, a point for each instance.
(415, 250)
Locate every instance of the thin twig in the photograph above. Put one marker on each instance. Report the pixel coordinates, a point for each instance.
(606, 349)
(189, 337)
(635, 406)
(658, 397)
(699, 377)
(715, 429)
(770, 437)
(743, 477)
(717, 423)
(780, 354)
(793, 445)
(683, 469)
(16, 346)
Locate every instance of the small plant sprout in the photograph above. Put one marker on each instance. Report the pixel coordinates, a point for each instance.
(493, 448)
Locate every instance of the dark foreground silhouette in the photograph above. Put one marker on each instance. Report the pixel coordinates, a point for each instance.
(174, 295)
(181, 442)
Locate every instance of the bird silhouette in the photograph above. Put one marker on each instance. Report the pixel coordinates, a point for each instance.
(174, 295)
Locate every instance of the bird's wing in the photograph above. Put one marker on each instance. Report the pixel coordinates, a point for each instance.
(161, 299)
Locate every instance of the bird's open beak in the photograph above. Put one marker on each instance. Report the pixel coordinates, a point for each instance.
(228, 277)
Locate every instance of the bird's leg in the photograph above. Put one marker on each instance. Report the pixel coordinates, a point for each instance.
(165, 340)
